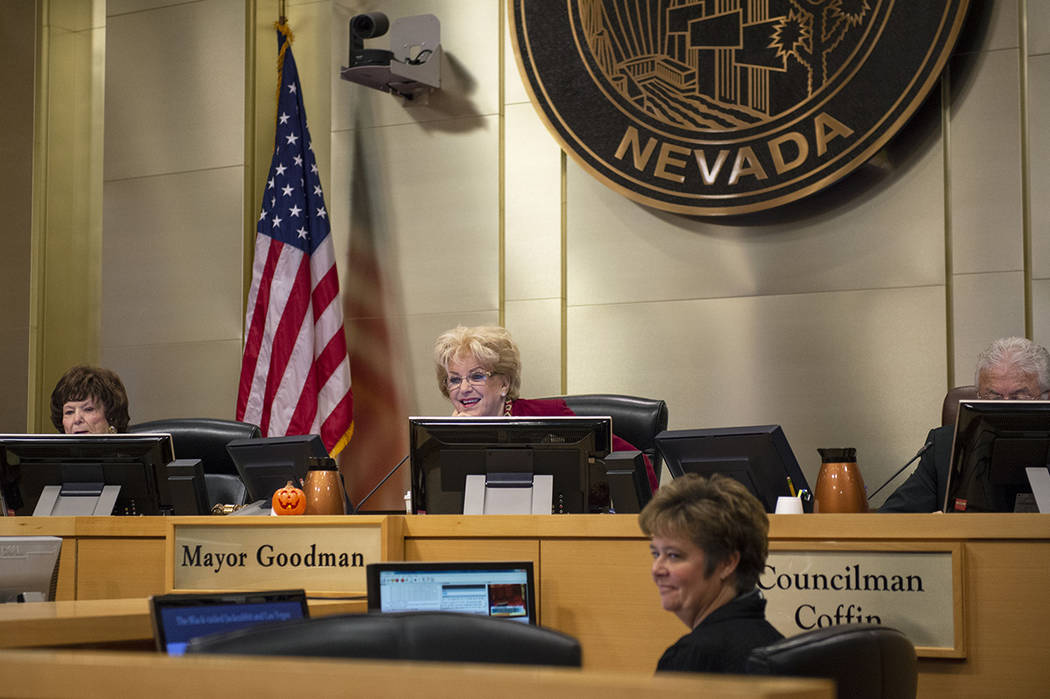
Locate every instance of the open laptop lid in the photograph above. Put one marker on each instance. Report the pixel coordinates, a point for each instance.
(179, 617)
(488, 588)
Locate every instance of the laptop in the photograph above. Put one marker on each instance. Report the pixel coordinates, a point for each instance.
(504, 589)
(179, 617)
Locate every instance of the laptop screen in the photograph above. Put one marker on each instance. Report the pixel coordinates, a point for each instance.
(179, 617)
(497, 589)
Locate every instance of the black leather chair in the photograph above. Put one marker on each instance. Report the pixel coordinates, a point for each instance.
(950, 406)
(867, 661)
(434, 636)
(224, 489)
(638, 420)
(206, 439)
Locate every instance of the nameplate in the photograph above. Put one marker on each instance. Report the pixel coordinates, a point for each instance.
(917, 591)
(323, 555)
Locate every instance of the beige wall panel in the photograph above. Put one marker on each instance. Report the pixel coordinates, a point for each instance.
(425, 397)
(338, 197)
(122, 7)
(76, 15)
(172, 258)
(18, 53)
(175, 89)
(998, 25)
(192, 379)
(69, 288)
(1041, 311)
(860, 368)
(1038, 27)
(514, 91)
(987, 306)
(533, 207)
(14, 368)
(1039, 159)
(984, 159)
(536, 327)
(469, 72)
(438, 193)
(892, 237)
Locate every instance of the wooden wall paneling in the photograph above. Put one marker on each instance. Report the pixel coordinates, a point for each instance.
(120, 567)
(601, 592)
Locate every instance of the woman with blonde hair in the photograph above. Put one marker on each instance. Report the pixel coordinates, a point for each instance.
(479, 371)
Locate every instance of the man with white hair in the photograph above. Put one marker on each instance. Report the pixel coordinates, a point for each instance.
(1011, 368)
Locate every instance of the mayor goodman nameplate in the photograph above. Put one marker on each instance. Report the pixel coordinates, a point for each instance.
(324, 555)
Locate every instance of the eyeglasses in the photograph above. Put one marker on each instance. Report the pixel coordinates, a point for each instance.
(1023, 394)
(474, 378)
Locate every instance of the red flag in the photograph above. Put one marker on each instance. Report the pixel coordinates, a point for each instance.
(377, 359)
(295, 373)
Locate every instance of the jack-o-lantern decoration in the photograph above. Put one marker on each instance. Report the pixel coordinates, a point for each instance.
(289, 500)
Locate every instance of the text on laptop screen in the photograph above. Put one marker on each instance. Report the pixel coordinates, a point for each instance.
(179, 620)
(497, 592)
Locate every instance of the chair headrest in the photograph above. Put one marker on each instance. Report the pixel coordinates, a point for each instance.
(865, 660)
(434, 636)
(638, 420)
(950, 406)
(203, 438)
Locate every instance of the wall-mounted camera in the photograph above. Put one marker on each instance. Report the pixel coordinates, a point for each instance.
(411, 67)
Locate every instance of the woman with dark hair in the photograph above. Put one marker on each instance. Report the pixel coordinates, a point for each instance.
(86, 400)
(708, 538)
(89, 400)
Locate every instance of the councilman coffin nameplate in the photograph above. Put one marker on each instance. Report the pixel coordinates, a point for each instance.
(916, 592)
(708, 108)
(238, 555)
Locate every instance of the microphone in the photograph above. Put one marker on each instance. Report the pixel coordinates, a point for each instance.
(357, 507)
(918, 454)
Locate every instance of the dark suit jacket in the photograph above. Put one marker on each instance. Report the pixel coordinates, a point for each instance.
(925, 488)
(723, 641)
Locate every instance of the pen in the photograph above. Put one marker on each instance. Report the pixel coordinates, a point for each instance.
(791, 487)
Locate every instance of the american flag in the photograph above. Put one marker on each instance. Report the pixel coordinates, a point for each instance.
(295, 373)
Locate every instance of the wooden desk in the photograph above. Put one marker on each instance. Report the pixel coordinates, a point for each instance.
(90, 675)
(123, 623)
(593, 578)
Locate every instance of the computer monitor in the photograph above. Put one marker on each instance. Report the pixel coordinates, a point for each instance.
(29, 568)
(508, 452)
(81, 474)
(180, 617)
(995, 441)
(267, 464)
(187, 487)
(504, 589)
(759, 457)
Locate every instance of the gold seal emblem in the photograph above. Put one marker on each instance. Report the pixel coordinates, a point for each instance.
(711, 107)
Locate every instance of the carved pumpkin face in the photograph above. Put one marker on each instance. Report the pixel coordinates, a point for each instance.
(289, 500)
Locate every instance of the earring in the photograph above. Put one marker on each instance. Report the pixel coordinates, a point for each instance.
(112, 429)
